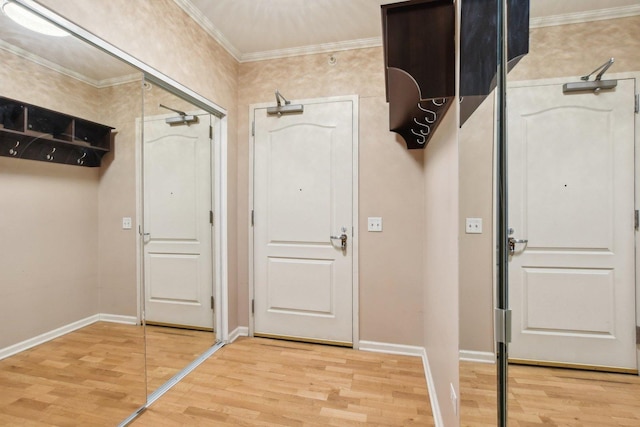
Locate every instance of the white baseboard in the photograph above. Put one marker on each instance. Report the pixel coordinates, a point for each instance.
(433, 396)
(117, 318)
(240, 331)
(410, 350)
(477, 356)
(63, 330)
(383, 347)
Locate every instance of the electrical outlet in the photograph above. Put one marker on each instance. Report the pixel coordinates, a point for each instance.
(473, 226)
(126, 223)
(374, 223)
(454, 399)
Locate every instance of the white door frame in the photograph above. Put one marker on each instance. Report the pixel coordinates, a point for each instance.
(562, 80)
(220, 247)
(355, 277)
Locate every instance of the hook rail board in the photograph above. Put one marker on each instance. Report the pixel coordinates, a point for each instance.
(36, 133)
(419, 53)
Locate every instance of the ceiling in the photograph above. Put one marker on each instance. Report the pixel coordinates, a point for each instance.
(261, 29)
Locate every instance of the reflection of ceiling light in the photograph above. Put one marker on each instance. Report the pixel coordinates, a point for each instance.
(30, 20)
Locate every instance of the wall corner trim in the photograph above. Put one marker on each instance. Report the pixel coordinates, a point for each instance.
(240, 331)
(477, 356)
(409, 350)
(433, 395)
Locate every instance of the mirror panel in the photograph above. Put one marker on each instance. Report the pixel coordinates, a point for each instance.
(556, 56)
(177, 157)
(72, 344)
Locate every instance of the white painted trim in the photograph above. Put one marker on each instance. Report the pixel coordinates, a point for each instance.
(388, 348)
(221, 256)
(204, 22)
(63, 330)
(218, 36)
(580, 17)
(312, 50)
(117, 318)
(355, 244)
(355, 100)
(100, 84)
(477, 356)
(240, 331)
(431, 387)
(416, 351)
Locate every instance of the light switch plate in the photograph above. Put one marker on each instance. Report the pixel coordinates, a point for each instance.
(473, 226)
(374, 223)
(126, 223)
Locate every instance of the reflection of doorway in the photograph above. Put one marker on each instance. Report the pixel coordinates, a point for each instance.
(571, 195)
(178, 234)
(303, 194)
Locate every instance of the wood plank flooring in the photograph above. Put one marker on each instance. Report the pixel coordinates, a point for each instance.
(91, 377)
(169, 350)
(541, 396)
(262, 382)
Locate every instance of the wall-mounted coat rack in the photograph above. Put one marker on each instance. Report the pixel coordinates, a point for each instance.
(419, 53)
(478, 48)
(36, 133)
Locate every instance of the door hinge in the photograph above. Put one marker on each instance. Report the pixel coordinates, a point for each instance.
(252, 218)
(637, 335)
(210, 132)
(213, 303)
(253, 306)
(636, 219)
(637, 109)
(502, 326)
(253, 128)
(211, 217)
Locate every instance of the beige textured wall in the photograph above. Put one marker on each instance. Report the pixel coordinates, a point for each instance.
(391, 185)
(559, 51)
(48, 217)
(116, 195)
(160, 34)
(440, 259)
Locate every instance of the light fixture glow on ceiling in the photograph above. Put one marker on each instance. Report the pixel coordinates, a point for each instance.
(30, 20)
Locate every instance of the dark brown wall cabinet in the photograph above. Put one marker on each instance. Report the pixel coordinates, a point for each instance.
(419, 53)
(36, 133)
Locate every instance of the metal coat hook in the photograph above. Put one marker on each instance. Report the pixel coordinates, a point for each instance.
(426, 118)
(14, 151)
(50, 156)
(80, 160)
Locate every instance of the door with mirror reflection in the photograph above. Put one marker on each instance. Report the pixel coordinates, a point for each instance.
(572, 185)
(177, 158)
(74, 346)
(72, 340)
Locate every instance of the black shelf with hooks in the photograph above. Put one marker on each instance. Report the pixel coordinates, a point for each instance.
(35, 133)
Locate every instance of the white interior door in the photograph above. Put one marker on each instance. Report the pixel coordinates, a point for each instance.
(571, 195)
(178, 261)
(303, 195)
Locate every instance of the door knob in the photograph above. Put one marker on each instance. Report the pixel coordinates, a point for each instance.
(343, 239)
(513, 242)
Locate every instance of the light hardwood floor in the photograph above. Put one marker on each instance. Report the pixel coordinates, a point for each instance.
(169, 350)
(90, 377)
(261, 382)
(550, 397)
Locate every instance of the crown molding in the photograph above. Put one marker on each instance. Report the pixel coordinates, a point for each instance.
(313, 49)
(206, 25)
(99, 84)
(580, 17)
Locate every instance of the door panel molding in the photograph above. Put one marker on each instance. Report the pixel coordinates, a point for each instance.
(353, 234)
